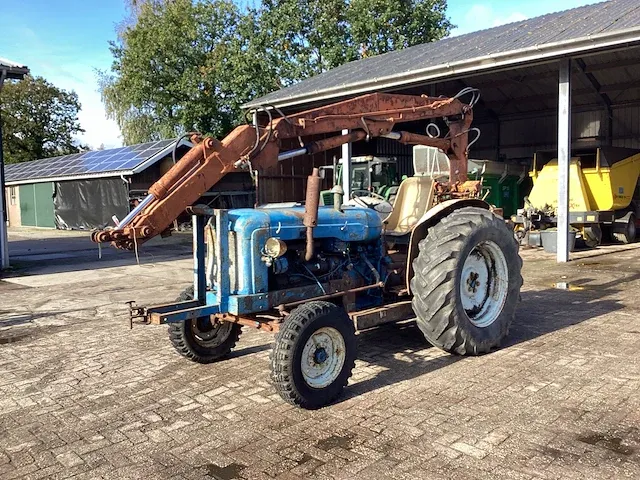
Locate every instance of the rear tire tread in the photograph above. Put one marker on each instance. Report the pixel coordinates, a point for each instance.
(434, 282)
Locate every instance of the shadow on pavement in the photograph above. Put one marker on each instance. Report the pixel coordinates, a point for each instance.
(395, 347)
(241, 352)
(545, 311)
(34, 257)
(400, 350)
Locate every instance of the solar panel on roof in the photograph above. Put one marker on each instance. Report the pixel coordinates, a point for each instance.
(93, 162)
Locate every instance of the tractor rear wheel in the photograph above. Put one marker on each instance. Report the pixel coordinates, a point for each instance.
(313, 355)
(467, 282)
(201, 340)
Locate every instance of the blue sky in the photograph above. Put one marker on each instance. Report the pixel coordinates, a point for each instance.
(65, 41)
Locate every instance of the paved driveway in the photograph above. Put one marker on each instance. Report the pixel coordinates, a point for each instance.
(82, 396)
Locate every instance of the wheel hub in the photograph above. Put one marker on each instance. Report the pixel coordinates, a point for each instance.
(320, 356)
(323, 357)
(210, 334)
(484, 284)
(473, 282)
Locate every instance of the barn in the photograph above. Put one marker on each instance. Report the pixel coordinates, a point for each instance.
(94, 189)
(557, 84)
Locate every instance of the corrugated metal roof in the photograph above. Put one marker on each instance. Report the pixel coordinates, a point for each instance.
(8, 63)
(14, 70)
(572, 31)
(93, 164)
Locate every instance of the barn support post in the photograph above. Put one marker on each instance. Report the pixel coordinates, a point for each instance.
(564, 158)
(346, 167)
(4, 237)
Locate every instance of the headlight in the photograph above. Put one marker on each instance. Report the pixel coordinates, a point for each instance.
(274, 247)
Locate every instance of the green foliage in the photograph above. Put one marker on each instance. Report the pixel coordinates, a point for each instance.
(307, 37)
(189, 65)
(183, 66)
(39, 120)
(380, 26)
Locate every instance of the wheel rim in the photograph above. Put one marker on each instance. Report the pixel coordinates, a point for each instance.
(323, 357)
(484, 284)
(208, 334)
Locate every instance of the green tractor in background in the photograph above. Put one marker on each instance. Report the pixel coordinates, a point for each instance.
(369, 174)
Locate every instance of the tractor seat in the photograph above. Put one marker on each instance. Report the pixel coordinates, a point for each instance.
(414, 198)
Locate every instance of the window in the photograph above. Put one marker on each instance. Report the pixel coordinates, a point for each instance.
(12, 195)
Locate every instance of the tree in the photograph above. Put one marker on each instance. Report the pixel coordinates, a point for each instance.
(189, 65)
(39, 120)
(307, 37)
(184, 66)
(380, 26)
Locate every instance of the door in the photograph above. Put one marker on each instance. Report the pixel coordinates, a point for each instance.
(36, 205)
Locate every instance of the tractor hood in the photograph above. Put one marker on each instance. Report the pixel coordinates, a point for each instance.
(350, 225)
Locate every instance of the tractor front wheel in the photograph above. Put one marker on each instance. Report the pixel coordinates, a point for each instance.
(313, 355)
(201, 340)
(467, 282)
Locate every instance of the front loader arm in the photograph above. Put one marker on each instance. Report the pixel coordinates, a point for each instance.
(367, 116)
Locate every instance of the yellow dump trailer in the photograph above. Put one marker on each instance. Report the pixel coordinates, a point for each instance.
(602, 186)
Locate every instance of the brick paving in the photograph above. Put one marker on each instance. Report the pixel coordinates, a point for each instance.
(82, 396)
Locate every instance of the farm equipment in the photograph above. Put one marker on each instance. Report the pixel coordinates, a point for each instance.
(313, 275)
(603, 196)
(369, 175)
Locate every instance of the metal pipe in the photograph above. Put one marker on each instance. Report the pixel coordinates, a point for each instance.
(133, 213)
(292, 153)
(346, 167)
(409, 138)
(392, 135)
(312, 201)
(376, 275)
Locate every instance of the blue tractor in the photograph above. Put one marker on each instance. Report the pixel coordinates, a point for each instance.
(314, 275)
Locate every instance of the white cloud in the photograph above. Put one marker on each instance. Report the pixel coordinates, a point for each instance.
(480, 17)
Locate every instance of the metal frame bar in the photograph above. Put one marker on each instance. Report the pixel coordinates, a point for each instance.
(564, 158)
(199, 249)
(4, 236)
(223, 282)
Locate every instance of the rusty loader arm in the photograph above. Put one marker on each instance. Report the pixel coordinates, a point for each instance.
(367, 116)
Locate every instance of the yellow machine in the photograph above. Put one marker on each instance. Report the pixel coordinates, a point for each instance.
(602, 186)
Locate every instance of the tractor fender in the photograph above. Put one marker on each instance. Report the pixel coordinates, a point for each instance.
(433, 216)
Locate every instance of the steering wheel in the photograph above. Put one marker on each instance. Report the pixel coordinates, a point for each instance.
(356, 194)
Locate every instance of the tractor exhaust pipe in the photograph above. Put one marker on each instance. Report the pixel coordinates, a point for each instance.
(312, 201)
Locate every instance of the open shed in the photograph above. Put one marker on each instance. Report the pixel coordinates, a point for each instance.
(560, 82)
